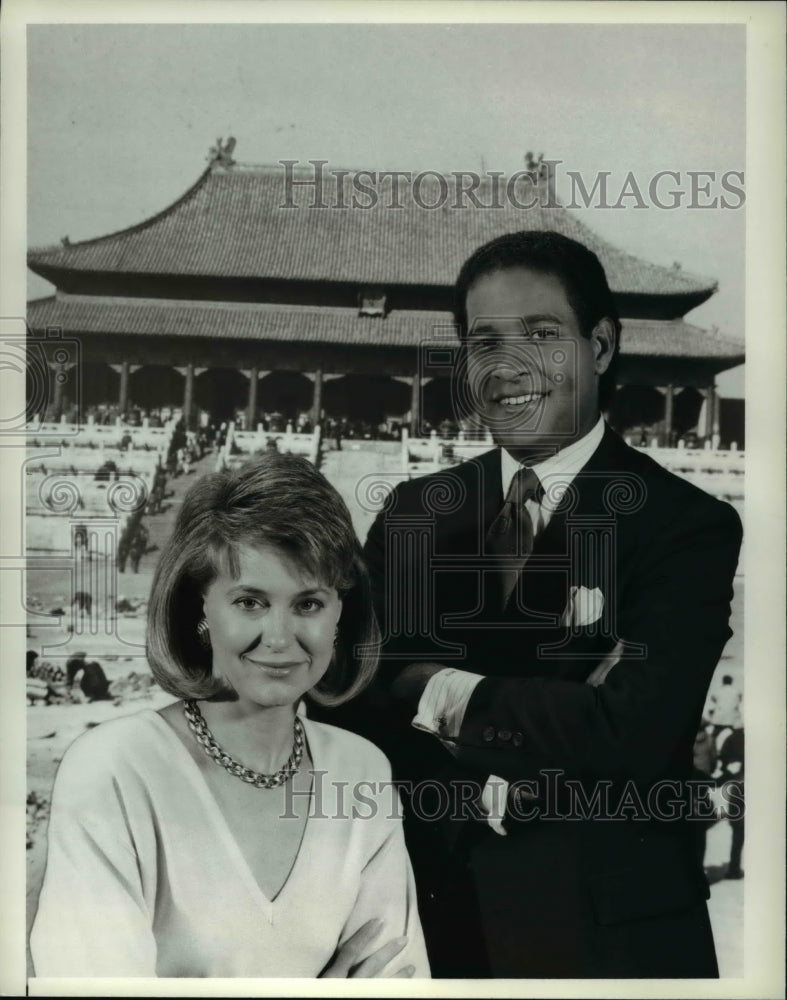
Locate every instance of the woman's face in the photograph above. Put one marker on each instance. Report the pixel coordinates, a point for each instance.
(271, 628)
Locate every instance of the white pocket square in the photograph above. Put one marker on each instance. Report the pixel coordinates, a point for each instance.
(584, 607)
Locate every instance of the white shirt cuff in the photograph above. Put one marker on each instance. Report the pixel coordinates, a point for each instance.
(441, 712)
(443, 704)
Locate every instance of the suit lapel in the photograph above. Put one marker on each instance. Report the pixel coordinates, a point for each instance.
(461, 532)
(546, 579)
(490, 489)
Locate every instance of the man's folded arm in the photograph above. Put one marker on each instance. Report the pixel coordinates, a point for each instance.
(677, 605)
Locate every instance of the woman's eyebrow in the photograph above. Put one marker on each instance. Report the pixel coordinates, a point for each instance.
(246, 588)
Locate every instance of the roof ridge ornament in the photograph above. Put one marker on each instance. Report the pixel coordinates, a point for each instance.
(542, 172)
(221, 154)
(537, 166)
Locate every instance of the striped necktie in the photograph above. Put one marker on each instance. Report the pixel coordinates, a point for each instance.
(510, 536)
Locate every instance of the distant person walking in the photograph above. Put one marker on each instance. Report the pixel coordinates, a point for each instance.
(139, 546)
(725, 706)
(730, 777)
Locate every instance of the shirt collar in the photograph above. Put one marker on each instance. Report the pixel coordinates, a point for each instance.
(559, 468)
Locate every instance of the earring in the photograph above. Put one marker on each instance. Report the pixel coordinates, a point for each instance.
(203, 633)
(335, 637)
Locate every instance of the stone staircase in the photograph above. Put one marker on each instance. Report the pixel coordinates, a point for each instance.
(160, 525)
(362, 478)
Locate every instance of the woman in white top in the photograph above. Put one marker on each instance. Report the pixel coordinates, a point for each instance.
(286, 859)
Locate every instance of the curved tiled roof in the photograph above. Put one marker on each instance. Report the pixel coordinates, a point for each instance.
(80, 314)
(231, 224)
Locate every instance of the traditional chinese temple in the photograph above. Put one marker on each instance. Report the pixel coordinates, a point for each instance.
(248, 295)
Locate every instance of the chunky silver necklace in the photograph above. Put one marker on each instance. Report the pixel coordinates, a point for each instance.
(205, 738)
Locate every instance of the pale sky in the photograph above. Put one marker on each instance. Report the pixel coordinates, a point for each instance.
(121, 117)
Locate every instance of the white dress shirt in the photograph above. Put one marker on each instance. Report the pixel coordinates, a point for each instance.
(444, 701)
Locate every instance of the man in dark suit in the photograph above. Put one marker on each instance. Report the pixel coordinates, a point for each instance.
(552, 615)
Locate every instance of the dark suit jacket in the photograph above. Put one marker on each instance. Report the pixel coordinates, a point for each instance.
(597, 875)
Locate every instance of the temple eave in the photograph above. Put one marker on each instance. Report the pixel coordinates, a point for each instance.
(405, 329)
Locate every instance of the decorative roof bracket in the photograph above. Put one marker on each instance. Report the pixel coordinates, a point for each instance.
(221, 153)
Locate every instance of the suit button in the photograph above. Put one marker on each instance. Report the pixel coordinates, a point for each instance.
(516, 739)
(488, 734)
(504, 735)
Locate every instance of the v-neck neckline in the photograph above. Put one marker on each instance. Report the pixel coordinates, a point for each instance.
(223, 828)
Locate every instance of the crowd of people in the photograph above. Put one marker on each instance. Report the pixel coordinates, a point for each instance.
(188, 446)
(49, 683)
(336, 428)
(210, 432)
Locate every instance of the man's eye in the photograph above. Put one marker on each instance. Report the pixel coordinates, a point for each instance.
(484, 343)
(542, 332)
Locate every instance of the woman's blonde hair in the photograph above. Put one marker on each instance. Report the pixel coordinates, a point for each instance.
(283, 502)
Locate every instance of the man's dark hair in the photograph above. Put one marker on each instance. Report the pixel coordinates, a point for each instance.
(576, 267)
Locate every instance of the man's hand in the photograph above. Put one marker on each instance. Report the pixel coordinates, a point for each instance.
(409, 684)
(599, 675)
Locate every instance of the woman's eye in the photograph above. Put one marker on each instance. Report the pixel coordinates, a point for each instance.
(310, 605)
(248, 603)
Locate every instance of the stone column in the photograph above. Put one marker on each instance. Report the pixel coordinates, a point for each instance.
(188, 396)
(125, 374)
(251, 412)
(669, 408)
(710, 411)
(415, 404)
(317, 397)
(59, 378)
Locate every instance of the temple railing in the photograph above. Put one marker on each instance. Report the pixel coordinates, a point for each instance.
(98, 436)
(80, 461)
(240, 445)
(422, 455)
(83, 480)
(719, 472)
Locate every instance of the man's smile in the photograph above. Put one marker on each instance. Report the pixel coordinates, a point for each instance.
(524, 398)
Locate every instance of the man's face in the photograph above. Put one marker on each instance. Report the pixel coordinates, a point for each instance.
(533, 376)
